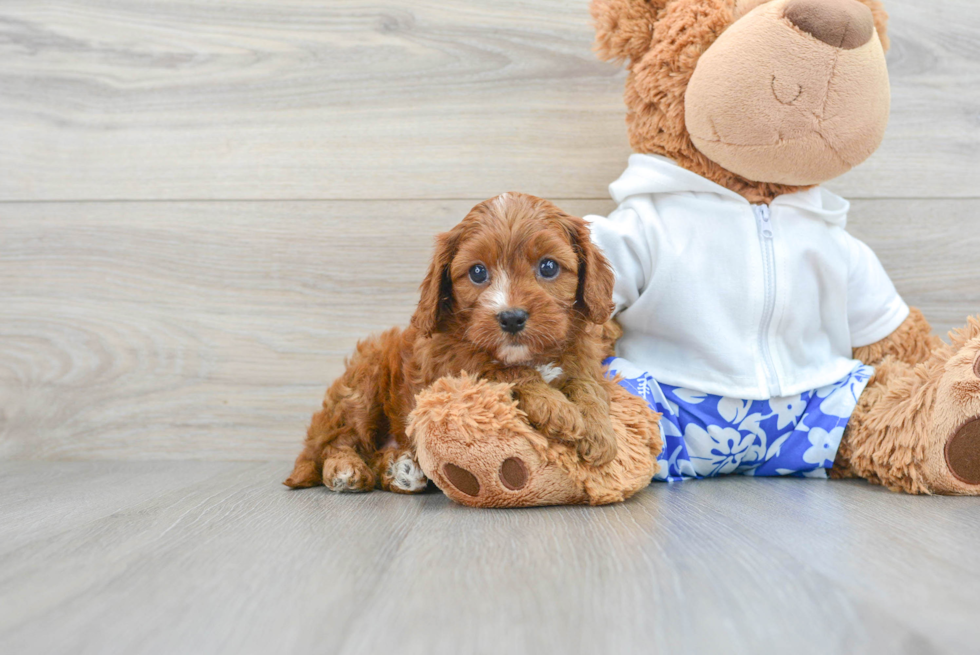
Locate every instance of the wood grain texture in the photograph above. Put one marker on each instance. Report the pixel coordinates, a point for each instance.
(234, 563)
(210, 330)
(396, 99)
(207, 330)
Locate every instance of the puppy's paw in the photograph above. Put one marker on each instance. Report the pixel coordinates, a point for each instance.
(347, 473)
(598, 445)
(402, 474)
(556, 418)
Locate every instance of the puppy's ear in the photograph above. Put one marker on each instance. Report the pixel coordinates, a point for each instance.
(624, 28)
(436, 299)
(595, 276)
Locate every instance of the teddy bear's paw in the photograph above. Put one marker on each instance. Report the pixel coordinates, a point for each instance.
(503, 477)
(400, 473)
(957, 418)
(345, 473)
(476, 446)
(963, 454)
(513, 475)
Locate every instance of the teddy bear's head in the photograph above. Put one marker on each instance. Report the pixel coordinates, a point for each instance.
(764, 97)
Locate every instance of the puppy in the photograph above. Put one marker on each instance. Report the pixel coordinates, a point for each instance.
(515, 293)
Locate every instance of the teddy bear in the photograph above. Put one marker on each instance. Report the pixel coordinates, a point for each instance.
(771, 341)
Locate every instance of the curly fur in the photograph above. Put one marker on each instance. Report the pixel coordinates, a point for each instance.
(922, 392)
(358, 440)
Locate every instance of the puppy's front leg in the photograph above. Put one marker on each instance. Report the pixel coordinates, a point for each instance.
(598, 443)
(547, 408)
(549, 411)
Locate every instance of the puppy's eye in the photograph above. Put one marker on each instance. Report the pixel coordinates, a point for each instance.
(478, 274)
(548, 268)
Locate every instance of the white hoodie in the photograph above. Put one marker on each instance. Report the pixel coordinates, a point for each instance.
(738, 300)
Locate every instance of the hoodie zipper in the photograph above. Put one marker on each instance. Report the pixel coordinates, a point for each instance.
(763, 219)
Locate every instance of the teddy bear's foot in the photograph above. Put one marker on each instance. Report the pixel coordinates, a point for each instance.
(957, 417)
(917, 427)
(473, 442)
(963, 454)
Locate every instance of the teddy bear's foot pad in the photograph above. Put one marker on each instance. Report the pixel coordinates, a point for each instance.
(463, 480)
(513, 475)
(963, 453)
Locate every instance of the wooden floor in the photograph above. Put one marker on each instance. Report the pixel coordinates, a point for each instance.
(185, 557)
(204, 205)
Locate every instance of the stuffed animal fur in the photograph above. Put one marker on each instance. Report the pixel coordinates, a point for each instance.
(765, 98)
(478, 447)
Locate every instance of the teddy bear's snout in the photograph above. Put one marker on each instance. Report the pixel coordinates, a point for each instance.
(818, 111)
(845, 24)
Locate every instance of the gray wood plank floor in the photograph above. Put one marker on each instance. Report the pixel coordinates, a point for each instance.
(179, 306)
(183, 557)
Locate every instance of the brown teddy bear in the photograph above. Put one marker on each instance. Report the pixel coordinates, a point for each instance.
(474, 443)
(773, 342)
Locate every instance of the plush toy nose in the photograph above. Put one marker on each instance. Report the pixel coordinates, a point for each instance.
(512, 320)
(845, 24)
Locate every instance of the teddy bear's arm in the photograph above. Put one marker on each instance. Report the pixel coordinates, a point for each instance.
(912, 342)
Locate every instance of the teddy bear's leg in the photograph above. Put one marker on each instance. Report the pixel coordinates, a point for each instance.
(473, 442)
(917, 426)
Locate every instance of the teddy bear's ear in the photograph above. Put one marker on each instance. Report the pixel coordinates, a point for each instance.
(624, 28)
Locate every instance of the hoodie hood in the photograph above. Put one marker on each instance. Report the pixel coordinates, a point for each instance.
(654, 174)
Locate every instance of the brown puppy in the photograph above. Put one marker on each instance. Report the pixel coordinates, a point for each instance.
(515, 293)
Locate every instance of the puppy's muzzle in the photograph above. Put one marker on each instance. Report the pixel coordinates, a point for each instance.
(512, 321)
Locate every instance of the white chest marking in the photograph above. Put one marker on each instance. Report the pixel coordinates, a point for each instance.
(550, 372)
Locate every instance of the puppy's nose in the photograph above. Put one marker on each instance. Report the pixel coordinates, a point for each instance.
(512, 320)
(844, 24)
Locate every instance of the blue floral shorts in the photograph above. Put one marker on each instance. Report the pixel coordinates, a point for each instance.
(707, 435)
